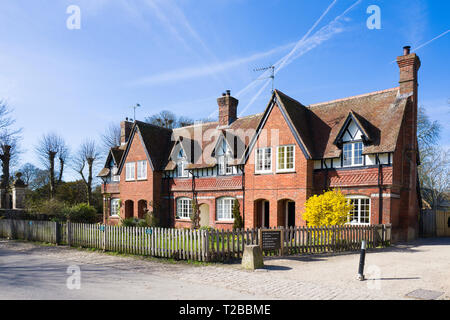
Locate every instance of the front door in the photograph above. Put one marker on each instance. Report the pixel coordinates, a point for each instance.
(204, 215)
(266, 215)
(290, 211)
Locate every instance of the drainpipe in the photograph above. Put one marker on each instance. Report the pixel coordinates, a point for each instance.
(243, 197)
(380, 191)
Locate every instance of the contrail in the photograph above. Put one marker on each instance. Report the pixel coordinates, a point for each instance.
(428, 42)
(253, 83)
(323, 34)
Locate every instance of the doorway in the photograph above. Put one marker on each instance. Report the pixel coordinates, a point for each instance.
(204, 215)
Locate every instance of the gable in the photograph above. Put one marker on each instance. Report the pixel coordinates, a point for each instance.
(278, 101)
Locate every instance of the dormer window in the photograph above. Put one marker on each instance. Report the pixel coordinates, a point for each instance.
(352, 154)
(223, 156)
(181, 165)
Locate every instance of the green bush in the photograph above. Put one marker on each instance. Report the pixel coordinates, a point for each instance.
(237, 224)
(54, 209)
(82, 213)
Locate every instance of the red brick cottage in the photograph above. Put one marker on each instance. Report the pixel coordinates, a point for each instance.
(273, 162)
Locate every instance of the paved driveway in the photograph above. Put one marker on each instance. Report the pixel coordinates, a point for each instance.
(29, 271)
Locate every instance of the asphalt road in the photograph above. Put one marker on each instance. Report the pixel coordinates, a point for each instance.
(31, 271)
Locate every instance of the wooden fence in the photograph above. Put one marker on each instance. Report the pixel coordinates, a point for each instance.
(198, 245)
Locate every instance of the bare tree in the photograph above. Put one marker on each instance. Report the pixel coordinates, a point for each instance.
(84, 163)
(51, 149)
(165, 119)
(111, 136)
(9, 144)
(9, 151)
(434, 169)
(29, 173)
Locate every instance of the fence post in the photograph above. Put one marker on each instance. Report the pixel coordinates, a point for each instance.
(105, 230)
(57, 233)
(207, 244)
(69, 233)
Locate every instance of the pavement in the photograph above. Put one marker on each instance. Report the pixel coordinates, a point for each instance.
(33, 271)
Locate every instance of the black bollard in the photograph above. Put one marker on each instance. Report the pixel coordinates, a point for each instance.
(362, 258)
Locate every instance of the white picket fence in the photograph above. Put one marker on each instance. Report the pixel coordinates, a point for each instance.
(198, 245)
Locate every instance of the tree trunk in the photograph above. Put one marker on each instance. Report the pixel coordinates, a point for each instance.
(51, 159)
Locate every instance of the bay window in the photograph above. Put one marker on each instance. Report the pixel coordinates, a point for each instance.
(115, 207)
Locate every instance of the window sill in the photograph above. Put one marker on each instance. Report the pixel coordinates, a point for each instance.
(143, 179)
(263, 172)
(285, 171)
(225, 221)
(183, 219)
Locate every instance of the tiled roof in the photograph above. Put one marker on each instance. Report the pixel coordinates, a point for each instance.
(379, 113)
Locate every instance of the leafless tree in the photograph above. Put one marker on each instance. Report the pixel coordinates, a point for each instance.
(111, 136)
(168, 119)
(84, 162)
(29, 173)
(9, 143)
(434, 169)
(165, 118)
(53, 153)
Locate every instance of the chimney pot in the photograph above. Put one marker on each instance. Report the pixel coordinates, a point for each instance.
(406, 50)
(227, 109)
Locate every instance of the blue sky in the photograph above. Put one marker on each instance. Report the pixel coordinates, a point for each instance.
(181, 55)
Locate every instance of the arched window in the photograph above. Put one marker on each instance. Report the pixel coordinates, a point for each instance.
(360, 214)
(184, 208)
(224, 208)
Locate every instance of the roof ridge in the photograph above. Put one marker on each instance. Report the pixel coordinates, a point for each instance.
(353, 97)
(138, 122)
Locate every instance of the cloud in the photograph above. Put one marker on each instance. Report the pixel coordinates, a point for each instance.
(205, 70)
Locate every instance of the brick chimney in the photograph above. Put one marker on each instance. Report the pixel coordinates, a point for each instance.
(125, 131)
(409, 64)
(227, 109)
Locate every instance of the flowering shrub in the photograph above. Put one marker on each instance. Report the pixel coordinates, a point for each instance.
(329, 208)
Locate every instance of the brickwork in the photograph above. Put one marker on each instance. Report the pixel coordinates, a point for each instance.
(392, 188)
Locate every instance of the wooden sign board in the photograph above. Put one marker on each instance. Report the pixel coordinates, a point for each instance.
(271, 239)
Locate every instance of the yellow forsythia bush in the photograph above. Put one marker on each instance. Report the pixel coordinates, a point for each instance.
(329, 208)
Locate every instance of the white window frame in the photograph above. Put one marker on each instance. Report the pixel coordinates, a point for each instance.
(142, 170)
(220, 209)
(358, 208)
(184, 208)
(285, 148)
(114, 176)
(181, 168)
(129, 171)
(352, 154)
(115, 207)
(263, 158)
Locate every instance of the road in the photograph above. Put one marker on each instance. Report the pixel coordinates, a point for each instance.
(31, 271)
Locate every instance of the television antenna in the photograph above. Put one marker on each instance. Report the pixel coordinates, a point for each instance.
(134, 109)
(272, 73)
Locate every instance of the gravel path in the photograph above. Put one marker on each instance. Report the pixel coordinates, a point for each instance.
(30, 271)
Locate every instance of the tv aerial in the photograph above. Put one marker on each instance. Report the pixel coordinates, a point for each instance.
(272, 73)
(134, 109)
